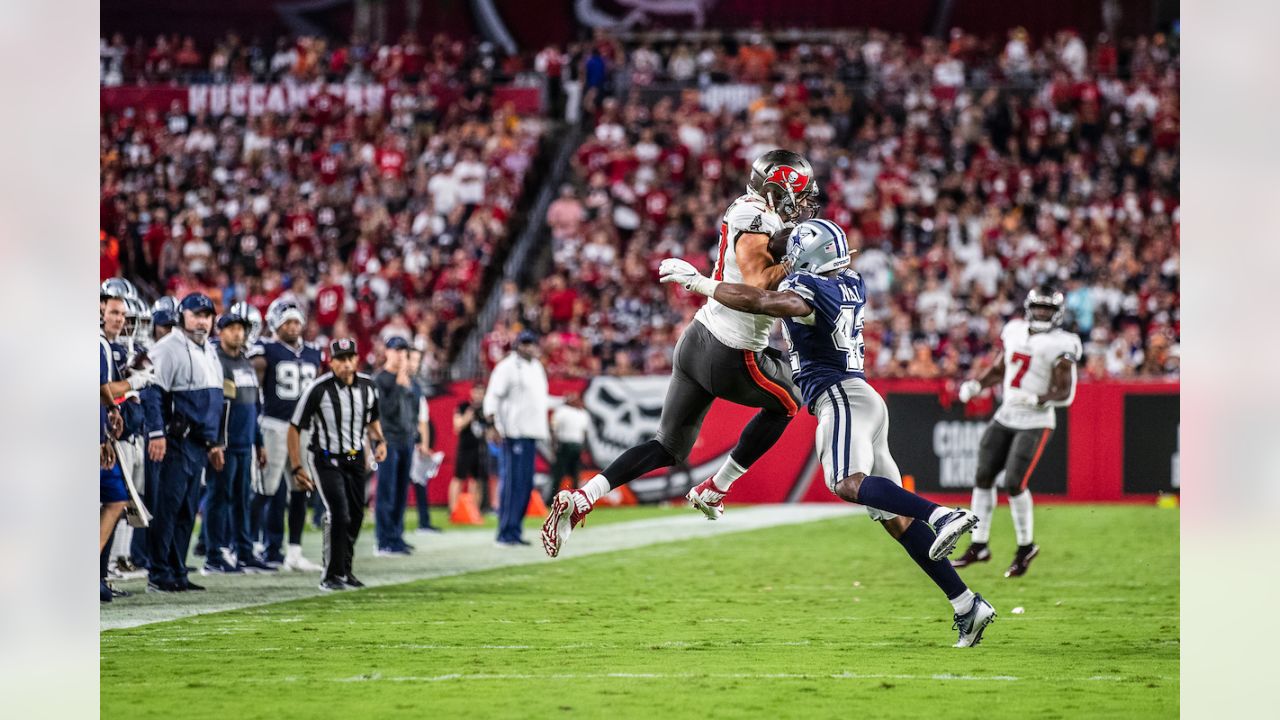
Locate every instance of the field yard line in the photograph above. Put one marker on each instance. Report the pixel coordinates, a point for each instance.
(942, 677)
(452, 553)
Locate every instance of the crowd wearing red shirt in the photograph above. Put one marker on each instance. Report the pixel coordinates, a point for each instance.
(964, 171)
(380, 224)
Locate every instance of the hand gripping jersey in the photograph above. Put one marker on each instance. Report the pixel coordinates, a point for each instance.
(289, 373)
(743, 331)
(1028, 366)
(826, 345)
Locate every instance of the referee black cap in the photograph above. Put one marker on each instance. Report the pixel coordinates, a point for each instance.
(342, 347)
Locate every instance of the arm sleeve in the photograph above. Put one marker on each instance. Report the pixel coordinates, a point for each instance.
(306, 407)
(152, 417)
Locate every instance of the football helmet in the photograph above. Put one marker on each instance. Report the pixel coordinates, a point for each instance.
(251, 316)
(137, 321)
(117, 287)
(164, 313)
(817, 246)
(282, 310)
(785, 181)
(1043, 308)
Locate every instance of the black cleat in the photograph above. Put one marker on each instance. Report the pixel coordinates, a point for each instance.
(188, 586)
(352, 581)
(975, 553)
(163, 587)
(332, 585)
(1022, 560)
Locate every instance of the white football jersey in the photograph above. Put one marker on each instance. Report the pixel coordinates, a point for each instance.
(1028, 367)
(744, 331)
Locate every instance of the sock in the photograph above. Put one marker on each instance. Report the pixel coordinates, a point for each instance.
(963, 602)
(728, 472)
(760, 434)
(917, 540)
(297, 516)
(596, 488)
(883, 494)
(1023, 522)
(984, 506)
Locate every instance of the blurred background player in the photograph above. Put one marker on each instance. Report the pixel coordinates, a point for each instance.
(515, 405)
(189, 378)
(822, 304)
(568, 436)
(230, 547)
(1037, 364)
(724, 344)
(131, 450)
(471, 455)
(286, 367)
(398, 400)
(164, 317)
(426, 459)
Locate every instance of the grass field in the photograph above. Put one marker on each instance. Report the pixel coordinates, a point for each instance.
(823, 619)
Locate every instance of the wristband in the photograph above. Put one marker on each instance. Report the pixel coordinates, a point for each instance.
(704, 286)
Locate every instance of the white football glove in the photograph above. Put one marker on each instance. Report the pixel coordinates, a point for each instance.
(969, 389)
(675, 270)
(1022, 398)
(139, 379)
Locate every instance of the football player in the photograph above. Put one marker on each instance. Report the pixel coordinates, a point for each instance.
(286, 367)
(1038, 366)
(724, 353)
(821, 304)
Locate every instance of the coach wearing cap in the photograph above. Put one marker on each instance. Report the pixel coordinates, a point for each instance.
(339, 408)
(398, 402)
(188, 378)
(515, 403)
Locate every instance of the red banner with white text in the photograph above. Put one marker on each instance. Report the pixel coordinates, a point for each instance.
(1118, 442)
(254, 99)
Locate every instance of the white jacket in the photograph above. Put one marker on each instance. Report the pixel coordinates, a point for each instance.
(518, 399)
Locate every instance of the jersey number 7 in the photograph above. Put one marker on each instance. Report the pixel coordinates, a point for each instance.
(1023, 361)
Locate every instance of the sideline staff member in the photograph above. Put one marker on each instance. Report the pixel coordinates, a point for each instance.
(338, 408)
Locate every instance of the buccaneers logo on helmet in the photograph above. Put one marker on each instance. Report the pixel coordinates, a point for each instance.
(788, 177)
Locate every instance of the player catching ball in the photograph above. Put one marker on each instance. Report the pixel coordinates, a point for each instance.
(821, 304)
(1038, 366)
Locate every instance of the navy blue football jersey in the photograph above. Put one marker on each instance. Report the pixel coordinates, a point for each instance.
(826, 346)
(289, 373)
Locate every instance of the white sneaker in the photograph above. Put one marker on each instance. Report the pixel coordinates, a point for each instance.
(293, 560)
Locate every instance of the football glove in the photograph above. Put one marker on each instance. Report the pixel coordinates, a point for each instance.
(969, 389)
(675, 270)
(139, 379)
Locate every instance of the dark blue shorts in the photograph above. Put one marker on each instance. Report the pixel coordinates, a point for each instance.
(111, 487)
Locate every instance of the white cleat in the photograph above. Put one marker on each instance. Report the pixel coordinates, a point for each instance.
(569, 508)
(949, 529)
(708, 499)
(971, 624)
(293, 560)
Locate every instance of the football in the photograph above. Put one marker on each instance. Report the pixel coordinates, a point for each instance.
(778, 243)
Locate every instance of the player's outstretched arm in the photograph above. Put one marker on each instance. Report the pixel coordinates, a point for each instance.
(733, 295)
(991, 376)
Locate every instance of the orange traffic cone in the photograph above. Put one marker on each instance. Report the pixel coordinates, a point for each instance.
(536, 508)
(465, 511)
(909, 483)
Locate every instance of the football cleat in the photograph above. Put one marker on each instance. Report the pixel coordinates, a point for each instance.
(1022, 560)
(708, 499)
(293, 560)
(567, 511)
(975, 553)
(352, 581)
(971, 624)
(332, 585)
(950, 528)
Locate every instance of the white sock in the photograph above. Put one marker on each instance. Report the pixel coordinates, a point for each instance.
(963, 602)
(727, 474)
(984, 506)
(939, 513)
(1023, 522)
(596, 488)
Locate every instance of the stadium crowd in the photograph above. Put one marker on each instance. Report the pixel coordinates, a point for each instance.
(965, 171)
(380, 225)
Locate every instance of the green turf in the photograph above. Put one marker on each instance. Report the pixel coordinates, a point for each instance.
(827, 619)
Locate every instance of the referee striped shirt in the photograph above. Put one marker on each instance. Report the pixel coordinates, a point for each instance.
(337, 413)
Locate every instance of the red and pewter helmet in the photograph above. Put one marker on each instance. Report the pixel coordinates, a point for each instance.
(785, 181)
(1043, 306)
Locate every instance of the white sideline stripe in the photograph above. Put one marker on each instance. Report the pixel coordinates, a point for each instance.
(944, 677)
(453, 553)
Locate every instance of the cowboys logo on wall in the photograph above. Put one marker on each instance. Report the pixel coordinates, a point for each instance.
(624, 413)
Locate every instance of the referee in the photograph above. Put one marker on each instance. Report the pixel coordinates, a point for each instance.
(338, 408)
